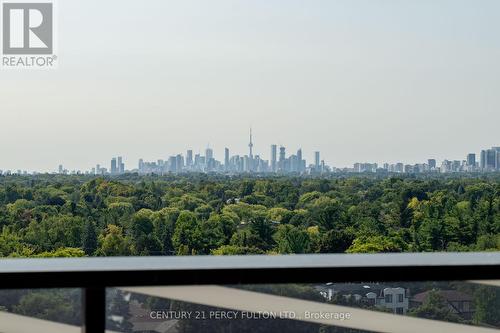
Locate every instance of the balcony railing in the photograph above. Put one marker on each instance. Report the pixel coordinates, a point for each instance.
(199, 280)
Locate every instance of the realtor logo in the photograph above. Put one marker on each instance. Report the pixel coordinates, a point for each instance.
(28, 29)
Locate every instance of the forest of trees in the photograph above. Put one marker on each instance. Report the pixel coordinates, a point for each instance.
(74, 216)
(55, 216)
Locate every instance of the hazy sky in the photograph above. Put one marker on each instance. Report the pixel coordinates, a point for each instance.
(359, 80)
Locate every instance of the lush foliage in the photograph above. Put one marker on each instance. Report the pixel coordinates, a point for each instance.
(208, 214)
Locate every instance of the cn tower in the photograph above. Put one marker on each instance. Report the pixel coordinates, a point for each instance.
(250, 145)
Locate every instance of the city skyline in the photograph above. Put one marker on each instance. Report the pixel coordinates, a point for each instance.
(368, 79)
(278, 159)
(488, 160)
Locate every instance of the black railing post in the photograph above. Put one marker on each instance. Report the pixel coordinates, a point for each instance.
(94, 310)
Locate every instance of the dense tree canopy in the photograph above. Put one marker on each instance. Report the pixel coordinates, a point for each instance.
(75, 216)
(48, 215)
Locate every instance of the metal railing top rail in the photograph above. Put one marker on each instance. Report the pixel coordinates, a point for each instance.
(94, 275)
(189, 270)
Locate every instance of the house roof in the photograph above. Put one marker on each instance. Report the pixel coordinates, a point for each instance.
(344, 288)
(448, 295)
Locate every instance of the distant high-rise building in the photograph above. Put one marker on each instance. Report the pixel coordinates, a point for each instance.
(246, 163)
(198, 160)
(120, 165)
(299, 160)
(172, 164)
(209, 160)
(179, 163)
(114, 169)
(189, 158)
(446, 166)
(482, 160)
(432, 163)
(471, 160)
(141, 165)
(61, 169)
(293, 163)
(316, 159)
(491, 159)
(497, 159)
(282, 160)
(226, 159)
(273, 158)
(236, 163)
(209, 153)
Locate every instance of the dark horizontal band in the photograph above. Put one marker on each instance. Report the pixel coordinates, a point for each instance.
(148, 271)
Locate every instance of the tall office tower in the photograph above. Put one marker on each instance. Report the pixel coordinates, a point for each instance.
(61, 169)
(273, 157)
(445, 166)
(114, 169)
(236, 162)
(209, 154)
(189, 158)
(497, 159)
(491, 159)
(120, 165)
(293, 163)
(246, 163)
(471, 160)
(408, 168)
(316, 160)
(482, 160)
(141, 165)
(179, 163)
(432, 163)
(282, 160)
(197, 160)
(258, 164)
(226, 159)
(172, 164)
(299, 160)
(250, 145)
